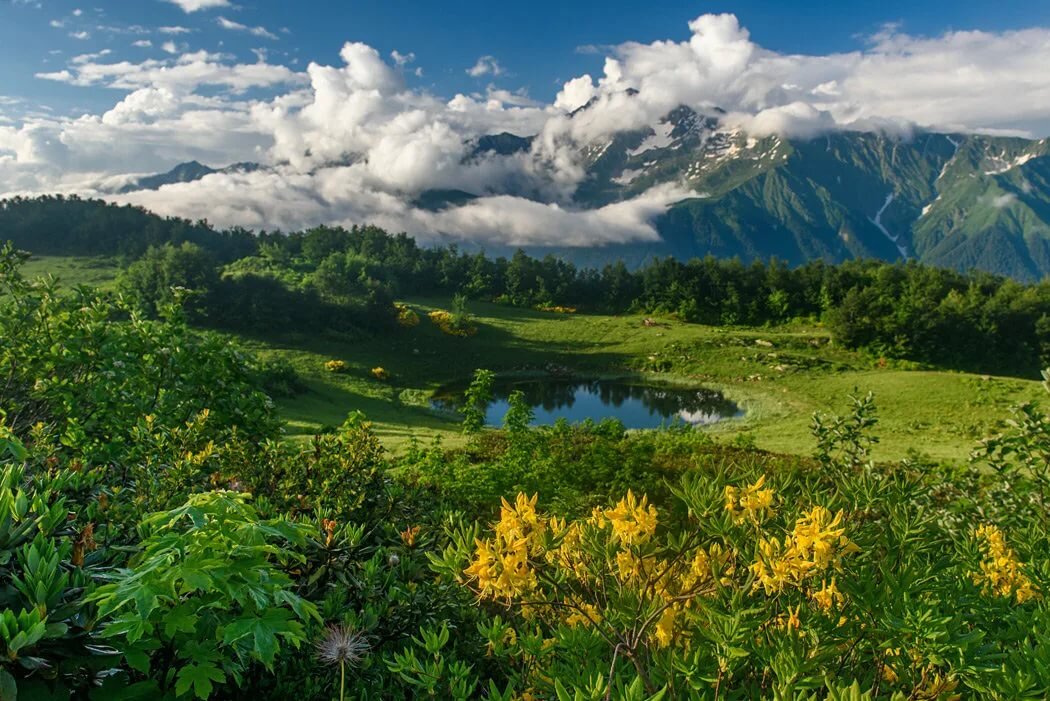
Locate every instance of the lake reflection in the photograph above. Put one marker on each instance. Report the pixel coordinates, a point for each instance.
(635, 405)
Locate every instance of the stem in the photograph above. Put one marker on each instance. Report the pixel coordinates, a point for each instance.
(342, 681)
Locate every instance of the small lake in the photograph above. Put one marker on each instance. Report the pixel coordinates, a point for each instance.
(635, 404)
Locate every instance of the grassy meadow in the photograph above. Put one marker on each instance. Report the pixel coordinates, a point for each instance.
(780, 376)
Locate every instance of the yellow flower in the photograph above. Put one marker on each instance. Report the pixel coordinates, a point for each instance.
(629, 565)
(501, 564)
(380, 374)
(583, 614)
(829, 596)
(633, 521)
(817, 542)
(663, 632)
(405, 316)
(336, 366)
(1001, 572)
(749, 503)
(520, 520)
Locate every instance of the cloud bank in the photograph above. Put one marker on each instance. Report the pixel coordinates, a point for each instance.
(354, 143)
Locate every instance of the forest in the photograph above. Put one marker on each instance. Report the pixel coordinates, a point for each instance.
(345, 280)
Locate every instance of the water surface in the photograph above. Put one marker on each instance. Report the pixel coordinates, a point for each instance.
(635, 404)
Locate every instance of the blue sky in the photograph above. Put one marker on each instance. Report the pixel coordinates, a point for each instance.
(536, 44)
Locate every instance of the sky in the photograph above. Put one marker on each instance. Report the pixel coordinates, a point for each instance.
(359, 106)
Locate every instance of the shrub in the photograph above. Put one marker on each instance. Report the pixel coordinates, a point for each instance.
(447, 323)
(338, 366)
(406, 317)
(380, 374)
(207, 596)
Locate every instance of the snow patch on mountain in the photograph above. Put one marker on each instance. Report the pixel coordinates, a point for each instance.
(877, 221)
(660, 138)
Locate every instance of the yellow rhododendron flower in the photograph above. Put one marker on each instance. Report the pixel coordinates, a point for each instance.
(817, 542)
(633, 520)
(749, 503)
(829, 596)
(1001, 572)
(663, 631)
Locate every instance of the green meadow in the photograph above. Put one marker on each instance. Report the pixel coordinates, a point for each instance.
(778, 375)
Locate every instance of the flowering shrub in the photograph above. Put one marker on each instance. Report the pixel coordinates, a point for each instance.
(380, 374)
(556, 309)
(336, 366)
(405, 316)
(446, 321)
(765, 586)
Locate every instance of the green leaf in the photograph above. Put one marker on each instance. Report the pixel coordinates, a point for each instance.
(200, 677)
(8, 687)
(137, 660)
(263, 631)
(180, 619)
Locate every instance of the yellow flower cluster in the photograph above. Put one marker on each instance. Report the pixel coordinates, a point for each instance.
(444, 321)
(336, 366)
(829, 597)
(380, 374)
(557, 309)
(1001, 572)
(633, 520)
(405, 316)
(749, 503)
(817, 542)
(582, 614)
(501, 564)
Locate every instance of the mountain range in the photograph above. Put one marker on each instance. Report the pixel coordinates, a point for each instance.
(953, 200)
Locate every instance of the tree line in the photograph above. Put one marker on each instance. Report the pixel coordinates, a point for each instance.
(345, 279)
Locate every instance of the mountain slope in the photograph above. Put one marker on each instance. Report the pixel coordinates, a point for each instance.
(953, 200)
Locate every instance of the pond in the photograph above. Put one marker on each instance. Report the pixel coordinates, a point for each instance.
(635, 404)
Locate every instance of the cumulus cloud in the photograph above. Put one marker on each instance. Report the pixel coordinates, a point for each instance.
(196, 5)
(353, 142)
(957, 81)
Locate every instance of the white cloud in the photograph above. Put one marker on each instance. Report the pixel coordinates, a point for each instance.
(486, 65)
(959, 80)
(184, 73)
(81, 35)
(142, 43)
(353, 142)
(169, 47)
(62, 76)
(1003, 201)
(196, 5)
(175, 30)
(401, 59)
(238, 27)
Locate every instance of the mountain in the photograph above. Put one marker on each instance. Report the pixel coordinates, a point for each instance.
(183, 173)
(953, 200)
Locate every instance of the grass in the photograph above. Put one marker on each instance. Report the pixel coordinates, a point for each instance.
(781, 376)
(100, 272)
